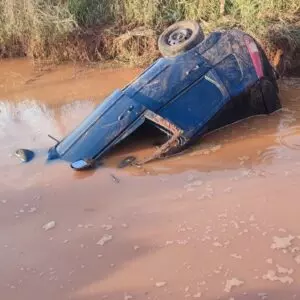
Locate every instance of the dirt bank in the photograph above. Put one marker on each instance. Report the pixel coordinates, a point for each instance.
(127, 31)
(218, 222)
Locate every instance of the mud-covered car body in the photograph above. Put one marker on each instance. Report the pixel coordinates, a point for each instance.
(223, 79)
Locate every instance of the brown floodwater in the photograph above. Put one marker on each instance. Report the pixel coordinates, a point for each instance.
(220, 221)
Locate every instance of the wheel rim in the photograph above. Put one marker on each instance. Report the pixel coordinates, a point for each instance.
(179, 36)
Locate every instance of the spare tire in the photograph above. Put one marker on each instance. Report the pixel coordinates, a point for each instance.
(179, 38)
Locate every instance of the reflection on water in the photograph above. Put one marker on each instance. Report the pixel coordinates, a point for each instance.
(233, 201)
(26, 124)
(254, 141)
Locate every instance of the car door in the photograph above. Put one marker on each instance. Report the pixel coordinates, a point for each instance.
(99, 130)
(194, 106)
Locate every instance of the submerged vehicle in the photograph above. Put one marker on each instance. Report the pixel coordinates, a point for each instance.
(200, 84)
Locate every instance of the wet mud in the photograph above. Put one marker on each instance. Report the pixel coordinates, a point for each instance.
(220, 221)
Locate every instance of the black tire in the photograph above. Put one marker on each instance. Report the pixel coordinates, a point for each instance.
(193, 36)
(270, 95)
(269, 70)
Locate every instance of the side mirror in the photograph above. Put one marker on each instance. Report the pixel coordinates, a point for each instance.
(82, 164)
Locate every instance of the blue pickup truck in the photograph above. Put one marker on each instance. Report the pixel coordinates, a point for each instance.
(198, 85)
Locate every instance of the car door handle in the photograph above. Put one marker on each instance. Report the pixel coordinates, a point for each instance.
(192, 70)
(124, 113)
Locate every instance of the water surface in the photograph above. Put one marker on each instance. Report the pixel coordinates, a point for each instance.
(220, 221)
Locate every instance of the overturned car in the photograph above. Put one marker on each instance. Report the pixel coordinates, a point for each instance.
(200, 84)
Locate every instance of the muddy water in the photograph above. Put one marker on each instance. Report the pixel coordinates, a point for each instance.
(220, 221)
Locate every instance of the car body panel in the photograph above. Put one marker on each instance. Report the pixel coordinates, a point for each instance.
(193, 102)
(105, 124)
(181, 95)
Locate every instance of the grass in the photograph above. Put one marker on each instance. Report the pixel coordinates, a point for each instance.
(32, 27)
(127, 29)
